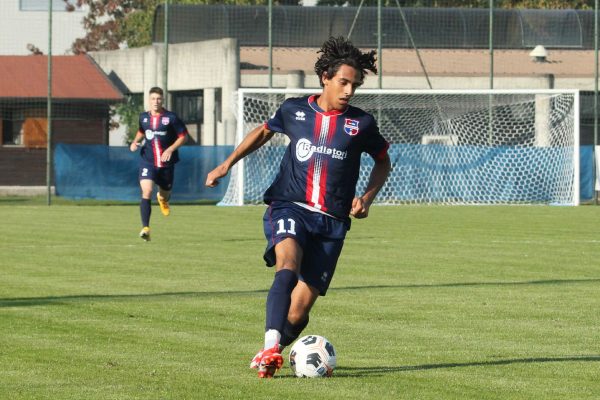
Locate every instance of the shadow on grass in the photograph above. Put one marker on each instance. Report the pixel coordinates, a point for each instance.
(58, 300)
(466, 284)
(13, 200)
(64, 201)
(63, 300)
(351, 372)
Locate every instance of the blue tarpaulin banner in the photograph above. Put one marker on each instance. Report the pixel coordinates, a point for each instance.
(111, 173)
(586, 173)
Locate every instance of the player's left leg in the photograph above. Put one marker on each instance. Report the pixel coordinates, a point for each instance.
(163, 197)
(318, 266)
(164, 180)
(304, 297)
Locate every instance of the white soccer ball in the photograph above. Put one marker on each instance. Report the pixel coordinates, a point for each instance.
(312, 356)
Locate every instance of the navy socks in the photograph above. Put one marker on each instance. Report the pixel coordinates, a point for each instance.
(291, 332)
(145, 211)
(279, 299)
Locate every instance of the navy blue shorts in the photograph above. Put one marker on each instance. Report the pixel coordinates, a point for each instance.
(320, 236)
(163, 176)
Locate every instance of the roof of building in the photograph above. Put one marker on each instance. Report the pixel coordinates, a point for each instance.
(74, 77)
(438, 62)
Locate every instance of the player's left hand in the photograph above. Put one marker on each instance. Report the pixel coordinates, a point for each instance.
(359, 208)
(166, 155)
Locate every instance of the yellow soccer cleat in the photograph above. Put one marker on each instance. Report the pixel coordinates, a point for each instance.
(164, 205)
(145, 234)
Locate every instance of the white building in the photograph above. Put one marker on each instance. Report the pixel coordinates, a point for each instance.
(214, 50)
(25, 22)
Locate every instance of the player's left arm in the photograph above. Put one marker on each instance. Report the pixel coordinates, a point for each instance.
(379, 174)
(182, 137)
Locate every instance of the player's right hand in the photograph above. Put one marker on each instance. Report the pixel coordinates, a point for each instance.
(212, 179)
(133, 146)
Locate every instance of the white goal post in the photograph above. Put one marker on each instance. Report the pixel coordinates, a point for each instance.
(447, 146)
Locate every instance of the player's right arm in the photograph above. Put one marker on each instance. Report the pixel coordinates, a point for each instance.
(139, 136)
(253, 141)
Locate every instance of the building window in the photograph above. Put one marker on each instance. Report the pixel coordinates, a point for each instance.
(12, 133)
(218, 105)
(188, 105)
(30, 132)
(42, 5)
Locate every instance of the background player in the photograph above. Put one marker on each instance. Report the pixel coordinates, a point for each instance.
(313, 194)
(160, 134)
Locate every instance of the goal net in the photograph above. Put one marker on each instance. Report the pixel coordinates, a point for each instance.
(446, 147)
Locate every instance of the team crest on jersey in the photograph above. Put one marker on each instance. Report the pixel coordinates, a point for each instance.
(351, 126)
(165, 120)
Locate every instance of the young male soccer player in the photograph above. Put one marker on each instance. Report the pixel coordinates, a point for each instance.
(313, 194)
(160, 134)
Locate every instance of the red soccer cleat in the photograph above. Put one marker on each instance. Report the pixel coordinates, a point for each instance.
(267, 361)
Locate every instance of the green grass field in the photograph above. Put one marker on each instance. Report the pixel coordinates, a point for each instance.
(428, 302)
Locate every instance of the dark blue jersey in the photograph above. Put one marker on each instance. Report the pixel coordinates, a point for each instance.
(321, 164)
(160, 132)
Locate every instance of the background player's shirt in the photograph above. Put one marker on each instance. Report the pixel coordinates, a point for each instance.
(160, 132)
(321, 164)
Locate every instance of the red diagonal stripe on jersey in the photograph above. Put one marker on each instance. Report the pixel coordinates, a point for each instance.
(332, 126)
(325, 163)
(309, 180)
(311, 165)
(323, 183)
(156, 147)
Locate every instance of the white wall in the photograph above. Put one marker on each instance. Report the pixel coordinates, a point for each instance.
(18, 28)
(201, 65)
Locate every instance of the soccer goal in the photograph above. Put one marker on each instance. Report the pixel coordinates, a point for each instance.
(447, 147)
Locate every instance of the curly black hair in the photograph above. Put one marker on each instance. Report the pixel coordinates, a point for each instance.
(339, 51)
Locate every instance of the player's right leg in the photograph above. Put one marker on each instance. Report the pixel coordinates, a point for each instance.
(145, 208)
(288, 255)
(269, 360)
(145, 233)
(284, 230)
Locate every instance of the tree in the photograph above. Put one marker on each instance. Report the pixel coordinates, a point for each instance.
(128, 114)
(111, 24)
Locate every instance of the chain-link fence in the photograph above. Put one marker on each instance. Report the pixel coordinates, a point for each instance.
(201, 54)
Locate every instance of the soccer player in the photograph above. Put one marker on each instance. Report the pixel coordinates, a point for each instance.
(160, 134)
(314, 194)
